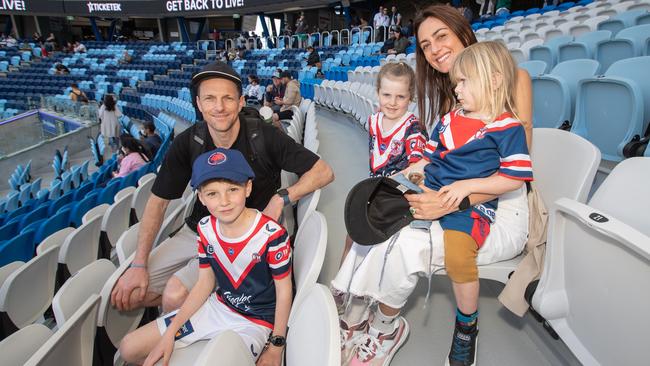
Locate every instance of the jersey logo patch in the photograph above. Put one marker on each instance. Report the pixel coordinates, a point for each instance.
(204, 220)
(185, 330)
(217, 158)
(270, 229)
(231, 251)
(253, 351)
(256, 258)
(210, 249)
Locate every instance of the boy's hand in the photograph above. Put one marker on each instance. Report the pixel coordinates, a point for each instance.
(271, 356)
(162, 350)
(451, 195)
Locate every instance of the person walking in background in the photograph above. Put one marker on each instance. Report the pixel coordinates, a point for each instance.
(109, 115)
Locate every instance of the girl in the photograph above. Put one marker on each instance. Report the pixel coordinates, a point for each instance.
(109, 115)
(479, 147)
(134, 156)
(253, 92)
(395, 141)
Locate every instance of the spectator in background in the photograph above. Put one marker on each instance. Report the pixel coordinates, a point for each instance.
(381, 23)
(253, 92)
(150, 139)
(69, 47)
(10, 41)
(395, 17)
(503, 7)
(407, 30)
(126, 58)
(77, 95)
(466, 9)
(301, 26)
(61, 69)
(37, 38)
(109, 115)
(274, 91)
(79, 47)
(400, 43)
(291, 97)
(487, 8)
(134, 156)
(363, 22)
(314, 58)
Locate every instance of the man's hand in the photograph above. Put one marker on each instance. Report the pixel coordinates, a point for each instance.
(427, 204)
(274, 208)
(271, 356)
(134, 279)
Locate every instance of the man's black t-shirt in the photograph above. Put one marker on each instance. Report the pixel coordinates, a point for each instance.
(282, 151)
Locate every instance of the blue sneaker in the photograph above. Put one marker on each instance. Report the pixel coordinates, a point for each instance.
(463, 348)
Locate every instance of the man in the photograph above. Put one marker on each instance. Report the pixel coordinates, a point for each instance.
(150, 138)
(381, 23)
(274, 91)
(395, 17)
(400, 43)
(219, 98)
(79, 47)
(313, 59)
(291, 97)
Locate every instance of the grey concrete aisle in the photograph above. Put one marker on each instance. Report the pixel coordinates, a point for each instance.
(504, 338)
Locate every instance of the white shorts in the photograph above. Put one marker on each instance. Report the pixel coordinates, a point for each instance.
(418, 252)
(212, 318)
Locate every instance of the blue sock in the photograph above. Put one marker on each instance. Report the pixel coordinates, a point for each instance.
(467, 322)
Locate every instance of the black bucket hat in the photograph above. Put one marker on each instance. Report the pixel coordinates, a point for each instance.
(375, 209)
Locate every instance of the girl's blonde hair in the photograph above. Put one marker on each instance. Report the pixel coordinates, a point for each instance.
(398, 70)
(482, 64)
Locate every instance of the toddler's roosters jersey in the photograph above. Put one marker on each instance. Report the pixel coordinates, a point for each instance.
(392, 151)
(463, 148)
(245, 267)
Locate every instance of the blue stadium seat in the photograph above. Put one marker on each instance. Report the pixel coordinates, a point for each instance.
(36, 214)
(12, 201)
(107, 195)
(53, 224)
(60, 202)
(534, 68)
(621, 21)
(583, 46)
(16, 215)
(9, 230)
(555, 93)
(81, 207)
(55, 190)
(629, 42)
(19, 248)
(548, 52)
(623, 96)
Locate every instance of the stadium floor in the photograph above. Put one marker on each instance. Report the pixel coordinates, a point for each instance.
(505, 339)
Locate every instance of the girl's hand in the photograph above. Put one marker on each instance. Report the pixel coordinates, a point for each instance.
(453, 194)
(162, 350)
(271, 356)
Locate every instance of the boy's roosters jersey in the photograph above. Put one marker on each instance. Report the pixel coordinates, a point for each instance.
(464, 148)
(245, 267)
(393, 151)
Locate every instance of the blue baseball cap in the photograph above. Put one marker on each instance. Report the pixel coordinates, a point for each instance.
(221, 163)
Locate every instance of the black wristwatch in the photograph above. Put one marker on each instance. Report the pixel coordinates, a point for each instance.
(277, 340)
(282, 192)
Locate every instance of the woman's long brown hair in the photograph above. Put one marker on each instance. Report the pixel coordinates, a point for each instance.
(433, 87)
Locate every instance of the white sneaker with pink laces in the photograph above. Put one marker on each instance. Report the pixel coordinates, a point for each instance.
(376, 349)
(349, 338)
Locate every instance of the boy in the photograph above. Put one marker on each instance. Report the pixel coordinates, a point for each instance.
(246, 253)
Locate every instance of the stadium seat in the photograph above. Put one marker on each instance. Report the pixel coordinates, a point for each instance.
(54, 240)
(79, 249)
(173, 220)
(36, 214)
(127, 243)
(555, 93)
(141, 195)
(20, 346)
(314, 330)
(228, 347)
(575, 295)
(116, 220)
(107, 195)
(12, 201)
(18, 248)
(306, 205)
(309, 252)
(621, 21)
(55, 223)
(628, 43)
(27, 292)
(88, 281)
(60, 202)
(548, 52)
(622, 96)
(81, 207)
(73, 343)
(534, 67)
(583, 46)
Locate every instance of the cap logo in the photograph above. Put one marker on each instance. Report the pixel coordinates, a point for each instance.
(217, 158)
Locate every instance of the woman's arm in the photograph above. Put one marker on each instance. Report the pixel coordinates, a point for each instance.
(272, 355)
(524, 104)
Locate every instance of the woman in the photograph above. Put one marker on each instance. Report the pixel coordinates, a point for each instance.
(442, 33)
(109, 115)
(134, 156)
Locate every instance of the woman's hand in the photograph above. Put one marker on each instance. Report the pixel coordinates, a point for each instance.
(427, 205)
(451, 195)
(162, 350)
(271, 356)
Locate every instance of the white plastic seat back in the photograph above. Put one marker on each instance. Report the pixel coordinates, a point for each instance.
(142, 193)
(118, 323)
(94, 212)
(89, 280)
(117, 217)
(27, 292)
(127, 191)
(172, 222)
(313, 337)
(8, 269)
(54, 240)
(306, 205)
(72, 344)
(20, 346)
(309, 252)
(127, 243)
(80, 247)
(595, 277)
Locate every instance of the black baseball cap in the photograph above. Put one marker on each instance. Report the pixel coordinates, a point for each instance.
(375, 209)
(216, 69)
(285, 74)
